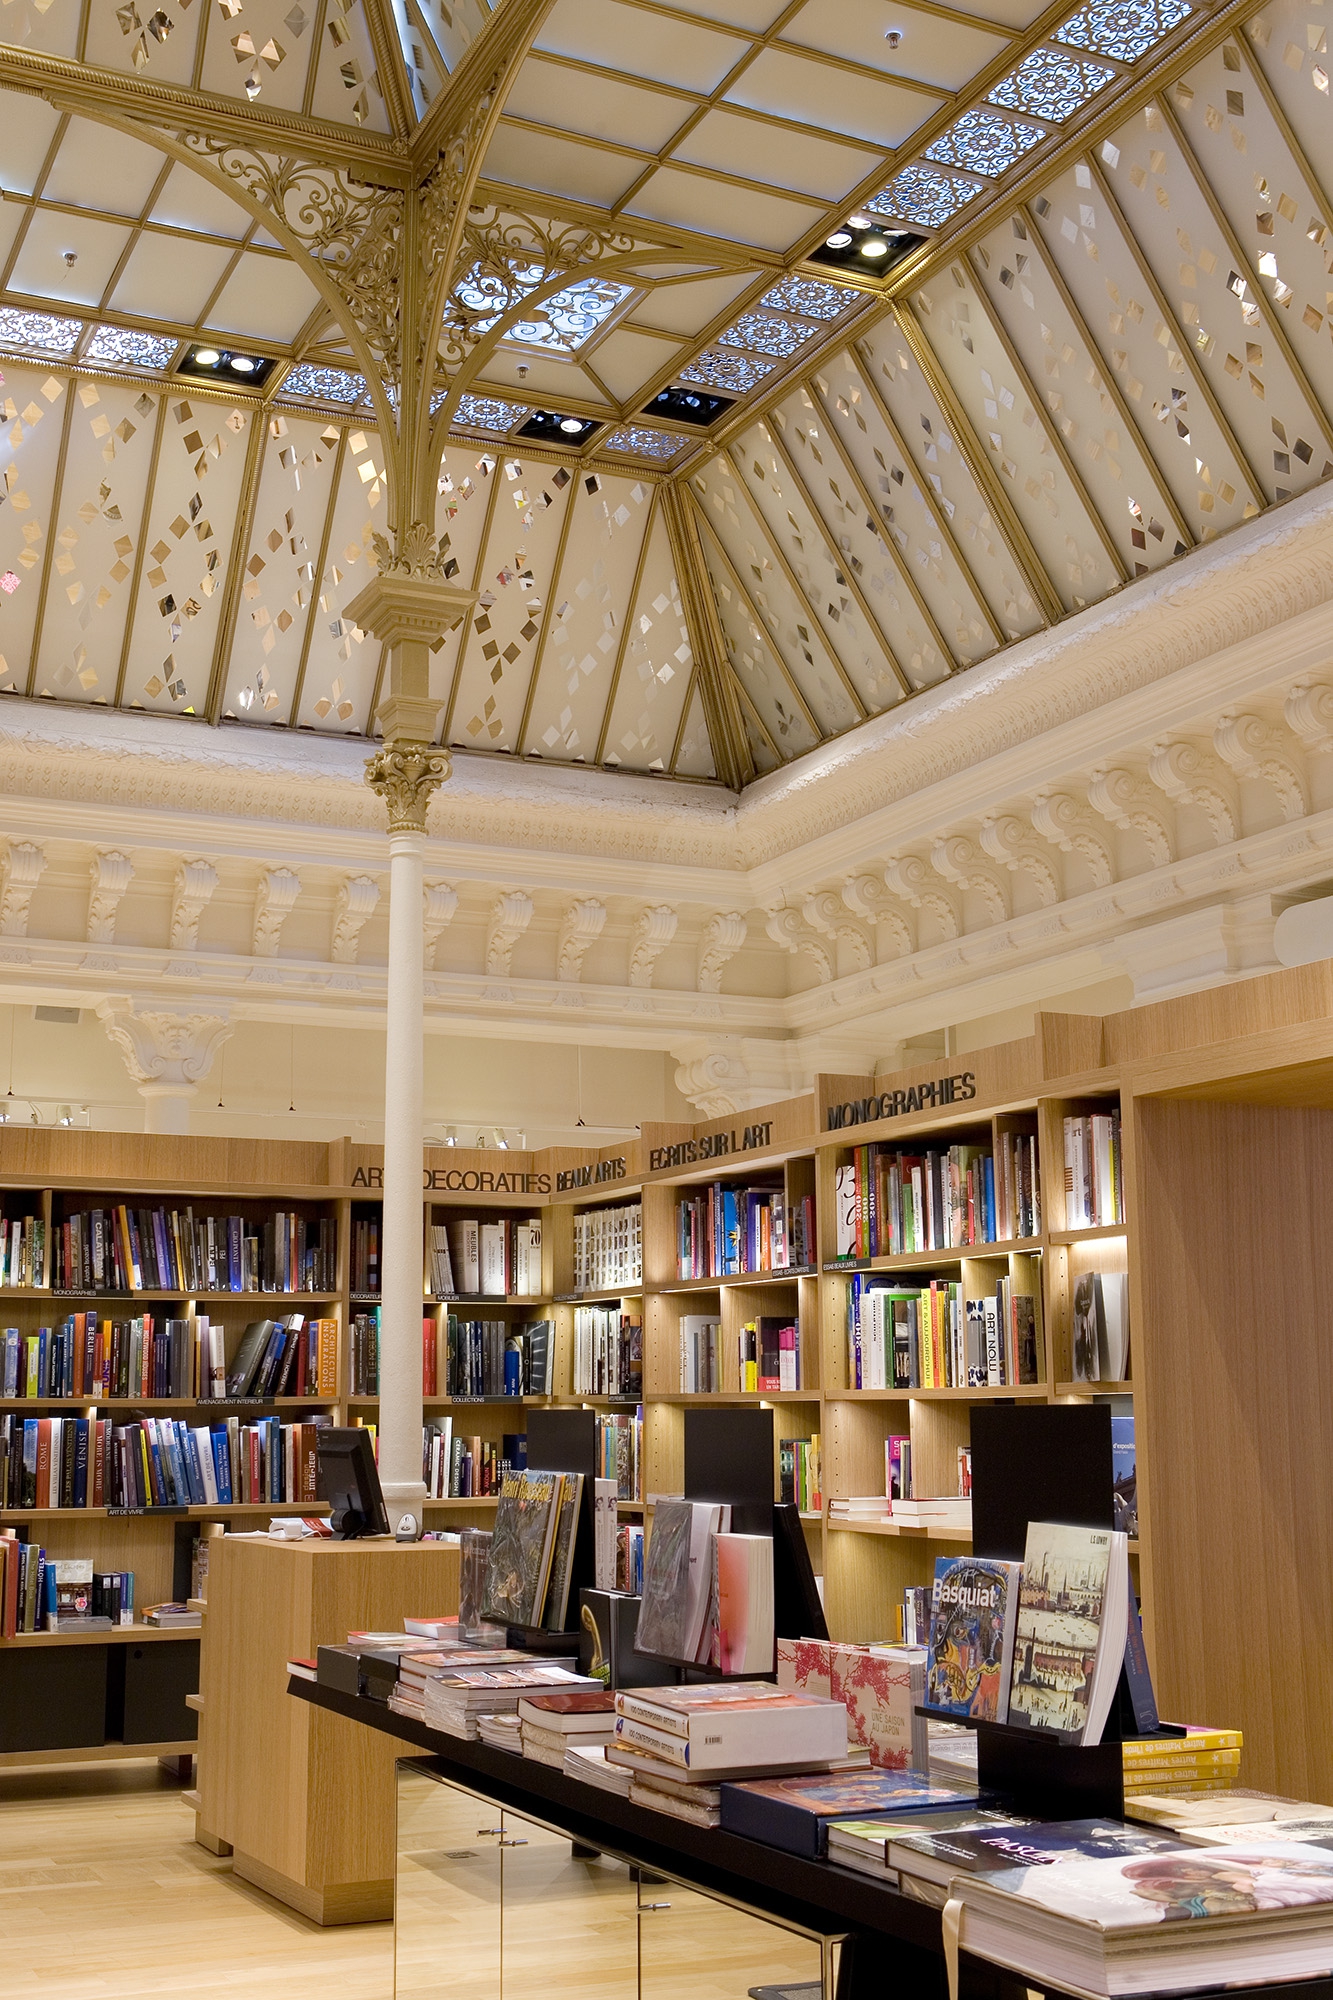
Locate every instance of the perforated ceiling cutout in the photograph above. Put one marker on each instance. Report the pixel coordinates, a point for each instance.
(835, 419)
(817, 698)
(1002, 410)
(654, 672)
(694, 759)
(1288, 41)
(893, 376)
(32, 412)
(1234, 334)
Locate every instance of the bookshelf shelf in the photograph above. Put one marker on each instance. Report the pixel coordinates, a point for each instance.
(926, 1260)
(237, 1511)
(79, 1405)
(787, 1276)
(1026, 1392)
(97, 1753)
(470, 1500)
(487, 1299)
(609, 1298)
(77, 1300)
(740, 1398)
(1105, 1234)
(901, 1530)
(1094, 1388)
(116, 1635)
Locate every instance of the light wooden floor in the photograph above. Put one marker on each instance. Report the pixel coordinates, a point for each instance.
(105, 1896)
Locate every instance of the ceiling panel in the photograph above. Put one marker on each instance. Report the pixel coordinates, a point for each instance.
(162, 266)
(638, 41)
(599, 106)
(695, 757)
(40, 270)
(119, 38)
(689, 308)
(50, 30)
(347, 89)
(266, 298)
(934, 49)
(190, 202)
(30, 127)
(583, 171)
(340, 669)
(832, 99)
(656, 674)
(754, 150)
(122, 170)
(96, 536)
(693, 201)
(626, 360)
(1287, 42)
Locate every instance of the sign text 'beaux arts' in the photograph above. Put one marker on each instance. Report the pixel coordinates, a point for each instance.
(713, 1146)
(895, 1103)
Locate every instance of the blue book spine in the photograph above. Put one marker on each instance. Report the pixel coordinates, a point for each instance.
(161, 1494)
(222, 1463)
(989, 1222)
(195, 1470)
(43, 1361)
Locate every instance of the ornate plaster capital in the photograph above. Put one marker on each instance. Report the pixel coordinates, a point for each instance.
(162, 1047)
(405, 603)
(406, 774)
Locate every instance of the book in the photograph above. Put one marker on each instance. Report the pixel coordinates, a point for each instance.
(1072, 1627)
(864, 1843)
(705, 1810)
(590, 1712)
(588, 1763)
(938, 1855)
(518, 1563)
(742, 1638)
(731, 1729)
(1177, 1920)
(1124, 1472)
(973, 1619)
(793, 1813)
(562, 1553)
(677, 1579)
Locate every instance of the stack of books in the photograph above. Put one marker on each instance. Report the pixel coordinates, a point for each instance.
(864, 1844)
(553, 1724)
(795, 1813)
(866, 1510)
(588, 1762)
(880, 1687)
(453, 1703)
(945, 1511)
(502, 1732)
(1202, 1760)
(416, 1669)
(680, 1743)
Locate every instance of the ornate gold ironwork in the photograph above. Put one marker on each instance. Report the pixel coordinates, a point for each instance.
(406, 775)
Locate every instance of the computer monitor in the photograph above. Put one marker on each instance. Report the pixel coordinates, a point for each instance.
(349, 1480)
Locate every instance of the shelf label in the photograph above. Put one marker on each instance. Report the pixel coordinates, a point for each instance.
(591, 1175)
(895, 1103)
(712, 1146)
(115, 1513)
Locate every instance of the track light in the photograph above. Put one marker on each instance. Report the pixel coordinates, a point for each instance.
(500, 1140)
(451, 1135)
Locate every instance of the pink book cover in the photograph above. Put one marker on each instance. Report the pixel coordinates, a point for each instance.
(736, 1643)
(804, 1666)
(877, 1694)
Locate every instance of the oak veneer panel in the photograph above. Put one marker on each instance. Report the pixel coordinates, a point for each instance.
(1235, 1417)
(1299, 996)
(118, 1160)
(304, 1797)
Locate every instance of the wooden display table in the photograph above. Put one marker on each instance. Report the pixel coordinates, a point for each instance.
(304, 1799)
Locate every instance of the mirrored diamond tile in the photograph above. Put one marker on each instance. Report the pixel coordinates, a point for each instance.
(726, 371)
(1051, 85)
(488, 413)
(1125, 29)
(644, 443)
(810, 297)
(763, 335)
(918, 194)
(134, 350)
(43, 330)
(984, 141)
(329, 385)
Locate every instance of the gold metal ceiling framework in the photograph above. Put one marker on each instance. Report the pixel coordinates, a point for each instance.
(440, 232)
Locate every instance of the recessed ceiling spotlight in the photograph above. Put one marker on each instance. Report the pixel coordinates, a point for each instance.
(571, 424)
(874, 246)
(242, 364)
(860, 222)
(894, 37)
(207, 357)
(216, 361)
(839, 239)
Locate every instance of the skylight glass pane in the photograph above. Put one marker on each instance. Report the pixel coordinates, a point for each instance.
(329, 385)
(30, 329)
(562, 322)
(1125, 29)
(1051, 85)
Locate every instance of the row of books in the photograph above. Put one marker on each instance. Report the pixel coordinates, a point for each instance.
(41, 1593)
(81, 1462)
(766, 1355)
(799, 1473)
(608, 1352)
(529, 1564)
(88, 1357)
(125, 1249)
(608, 1248)
(472, 1357)
(707, 1593)
(889, 1203)
(723, 1231)
(458, 1468)
(473, 1259)
(22, 1251)
(1094, 1171)
(620, 1451)
(932, 1337)
(1099, 1328)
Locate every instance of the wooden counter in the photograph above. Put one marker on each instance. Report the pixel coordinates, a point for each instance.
(304, 1799)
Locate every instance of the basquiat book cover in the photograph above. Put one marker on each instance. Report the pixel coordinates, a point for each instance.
(973, 1616)
(519, 1560)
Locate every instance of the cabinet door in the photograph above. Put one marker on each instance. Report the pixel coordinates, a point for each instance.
(447, 1890)
(691, 1948)
(570, 1924)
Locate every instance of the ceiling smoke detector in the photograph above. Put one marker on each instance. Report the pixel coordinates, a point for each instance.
(894, 37)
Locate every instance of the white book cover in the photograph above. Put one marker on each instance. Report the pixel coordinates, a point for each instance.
(845, 1209)
(208, 1469)
(994, 1371)
(467, 1258)
(604, 1533)
(534, 1245)
(493, 1260)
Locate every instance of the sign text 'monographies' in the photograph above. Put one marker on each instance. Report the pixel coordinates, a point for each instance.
(713, 1146)
(463, 1180)
(896, 1103)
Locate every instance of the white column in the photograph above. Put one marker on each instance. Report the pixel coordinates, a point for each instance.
(400, 1412)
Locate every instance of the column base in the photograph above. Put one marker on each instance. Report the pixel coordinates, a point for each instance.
(404, 1496)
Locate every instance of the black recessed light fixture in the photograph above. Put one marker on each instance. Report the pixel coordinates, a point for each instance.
(687, 406)
(225, 364)
(557, 427)
(865, 244)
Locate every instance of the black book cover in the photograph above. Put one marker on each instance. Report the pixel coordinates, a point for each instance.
(249, 1357)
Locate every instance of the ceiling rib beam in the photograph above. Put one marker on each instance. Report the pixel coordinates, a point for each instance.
(312, 67)
(539, 644)
(1046, 256)
(843, 560)
(48, 553)
(317, 583)
(679, 737)
(1184, 347)
(1272, 312)
(231, 598)
(631, 606)
(391, 64)
(987, 479)
(719, 690)
(943, 526)
(140, 545)
(769, 641)
(802, 591)
(1044, 418)
(25, 220)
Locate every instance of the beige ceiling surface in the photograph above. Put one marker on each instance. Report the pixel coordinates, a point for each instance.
(1113, 342)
